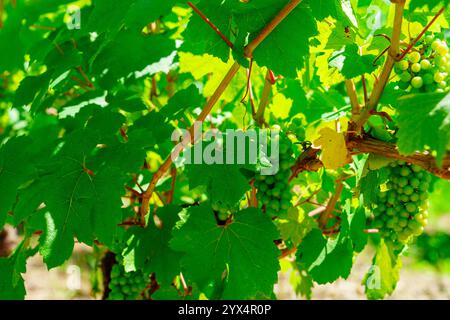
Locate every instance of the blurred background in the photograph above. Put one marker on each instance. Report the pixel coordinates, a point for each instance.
(425, 273)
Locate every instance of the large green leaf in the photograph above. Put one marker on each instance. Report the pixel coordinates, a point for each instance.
(244, 249)
(424, 122)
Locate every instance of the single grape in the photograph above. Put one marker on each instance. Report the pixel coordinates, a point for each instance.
(415, 67)
(436, 44)
(429, 39)
(406, 77)
(442, 49)
(425, 64)
(417, 82)
(414, 57)
(403, 65)
(439, 77)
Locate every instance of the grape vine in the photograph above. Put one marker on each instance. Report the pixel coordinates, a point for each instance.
(97, 112)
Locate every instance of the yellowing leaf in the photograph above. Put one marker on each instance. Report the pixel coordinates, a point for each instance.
(334, 149)
(281, 106)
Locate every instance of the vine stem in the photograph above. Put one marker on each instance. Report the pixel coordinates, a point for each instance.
(394, 50)
(212, 25)
(325, 215)
(145, 206)
(412, 44)
(250, 48)
(351, 90)
(309, 161)
(265, 97)
(424, 160)
(364, 85)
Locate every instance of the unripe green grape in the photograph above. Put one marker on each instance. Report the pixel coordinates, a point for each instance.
(403, 182)
(429, 39)
(285, 205)
(403, 65)
(408, 190)
(425, 64)
(414, 182)
(414, 197)
(276, 193)
(270, 180)
(411, 207)
(390, 211)
(417, 232)
(442, 84)
(405, 77)
(436, 44)
(275, 205)
(415, 67)
(404, 172)
(414, 57)
(442, 49)
(404, 214)
(424, 186)
(439, 77)
(441, 61)
(417, 82)
(403, 237)
(222, 216)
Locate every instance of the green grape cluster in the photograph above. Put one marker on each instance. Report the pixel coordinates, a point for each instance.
(297, 127)
(223, 211)
(274, 194)
(426, 69)
(401, 211)
(126, 285)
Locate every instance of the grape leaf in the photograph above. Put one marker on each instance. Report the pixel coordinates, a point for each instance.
(275, 51)
(295, 226)
(430, 3)
(182, 101)
(334, 148)
(130, 52)
(325, 260)
(354, 222)
(148, 249)
(199, 38)
(338, 9)
(12, 285)
(351, 64)
(244, 247)
(424, 122)
(225, 183)
(384, 274)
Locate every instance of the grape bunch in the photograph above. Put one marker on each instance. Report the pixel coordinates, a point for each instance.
(223, 212)
(126, 285)
(426, 69)
(297, 127)
(274, 194)
(401, 211)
